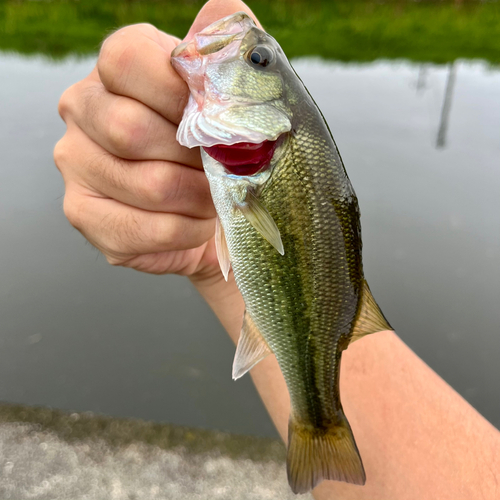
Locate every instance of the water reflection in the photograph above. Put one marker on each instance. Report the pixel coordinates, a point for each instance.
(80, 335)
(445, 113)
(421, 78)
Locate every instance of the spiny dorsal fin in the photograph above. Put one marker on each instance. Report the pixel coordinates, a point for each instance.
(251, 349)
(221, 249)
(263, 223)
(370, 318)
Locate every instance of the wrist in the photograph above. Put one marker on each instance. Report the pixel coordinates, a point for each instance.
(224, 299)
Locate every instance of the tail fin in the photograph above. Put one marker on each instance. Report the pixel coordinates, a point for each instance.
(317, 454)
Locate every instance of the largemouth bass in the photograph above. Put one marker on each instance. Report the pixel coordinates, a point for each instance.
(288, 225)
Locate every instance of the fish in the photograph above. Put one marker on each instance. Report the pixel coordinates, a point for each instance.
(288, 224)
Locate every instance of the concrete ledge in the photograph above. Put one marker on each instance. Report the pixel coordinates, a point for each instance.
(50, 454)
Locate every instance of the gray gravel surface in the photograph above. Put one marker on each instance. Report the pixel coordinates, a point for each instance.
(86, 457)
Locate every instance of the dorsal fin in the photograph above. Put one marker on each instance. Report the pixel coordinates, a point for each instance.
(221, 248)
(370, 318)
(251, 349)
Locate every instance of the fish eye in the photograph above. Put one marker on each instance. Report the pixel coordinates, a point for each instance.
(261, 56)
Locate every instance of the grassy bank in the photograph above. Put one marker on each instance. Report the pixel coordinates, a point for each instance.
(347, 30)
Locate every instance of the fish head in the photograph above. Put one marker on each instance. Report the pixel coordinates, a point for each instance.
(239, 106)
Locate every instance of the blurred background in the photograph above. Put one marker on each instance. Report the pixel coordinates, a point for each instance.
(411, 91)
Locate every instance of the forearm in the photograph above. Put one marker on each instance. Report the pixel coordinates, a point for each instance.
(418, 438)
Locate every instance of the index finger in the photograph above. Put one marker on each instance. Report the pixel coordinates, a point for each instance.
(135, 61)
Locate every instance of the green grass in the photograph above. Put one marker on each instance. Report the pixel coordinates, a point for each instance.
(346, 30)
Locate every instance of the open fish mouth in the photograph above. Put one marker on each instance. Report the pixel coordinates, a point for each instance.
(243, 158)
(235, 129)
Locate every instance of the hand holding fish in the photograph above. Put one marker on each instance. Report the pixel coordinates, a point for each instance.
(142, 199)
(131, 189)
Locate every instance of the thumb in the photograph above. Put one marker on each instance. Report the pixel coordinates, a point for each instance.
(217, 9)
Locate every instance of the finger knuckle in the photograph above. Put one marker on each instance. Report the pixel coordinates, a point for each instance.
(66, 102)
(145, 28)
(113, 260)
(61, 154)
(72, 211)
(164, 232)
(115, 58)
(117, 55)
(125, 128)
(161, 185)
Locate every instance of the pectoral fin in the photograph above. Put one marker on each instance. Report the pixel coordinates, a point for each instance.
(370, 318)
(251, 349)
(221, 249)
(263, 223)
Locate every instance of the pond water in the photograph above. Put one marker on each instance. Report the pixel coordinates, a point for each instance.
(421, 144)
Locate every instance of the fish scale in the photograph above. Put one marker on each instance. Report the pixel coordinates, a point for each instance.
(318, 296)
(292, 233)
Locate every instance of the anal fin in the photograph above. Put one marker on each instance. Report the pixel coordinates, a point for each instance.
(251, 348)
(221, 249)
(370, 318)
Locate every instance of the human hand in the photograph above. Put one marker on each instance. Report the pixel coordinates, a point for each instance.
(131, 189)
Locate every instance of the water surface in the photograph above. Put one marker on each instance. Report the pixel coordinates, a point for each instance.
(78, 334)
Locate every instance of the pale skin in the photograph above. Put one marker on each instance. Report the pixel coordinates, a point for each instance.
(144, 202)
